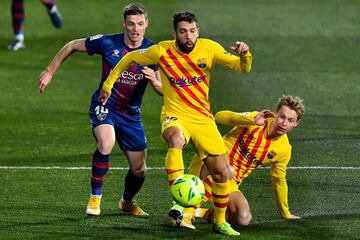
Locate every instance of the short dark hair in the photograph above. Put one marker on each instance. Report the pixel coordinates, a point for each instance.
(183, 16)
(134, 9)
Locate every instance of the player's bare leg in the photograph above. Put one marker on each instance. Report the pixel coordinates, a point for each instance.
(238, 210)
(133, 183)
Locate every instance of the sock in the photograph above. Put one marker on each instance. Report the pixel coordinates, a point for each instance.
(220, 192)
(18, 16)
(132, 186)
(208, 195)
(174, 164)
(100, 166)
(200, 212)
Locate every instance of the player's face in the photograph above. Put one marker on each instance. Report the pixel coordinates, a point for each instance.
(186, 35)
(285, 120)
(135, 26)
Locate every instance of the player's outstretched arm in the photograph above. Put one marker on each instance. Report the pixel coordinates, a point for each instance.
(142, 57)
(46, 75)
(230, 118)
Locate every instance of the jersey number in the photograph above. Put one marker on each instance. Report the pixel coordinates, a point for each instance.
(101, 109)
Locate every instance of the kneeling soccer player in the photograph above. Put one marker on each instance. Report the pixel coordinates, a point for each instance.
(257, 138)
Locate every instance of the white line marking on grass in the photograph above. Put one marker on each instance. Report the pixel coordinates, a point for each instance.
(324, 167)
(161, 168)
(68, 168)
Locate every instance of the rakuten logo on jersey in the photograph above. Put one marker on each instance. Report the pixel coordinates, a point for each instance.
(185, 82)
(130, 78)
(243, 150)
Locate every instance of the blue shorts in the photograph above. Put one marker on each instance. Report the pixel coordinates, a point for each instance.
(129, 130)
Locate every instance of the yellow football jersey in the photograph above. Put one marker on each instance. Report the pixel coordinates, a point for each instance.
(185, 77)
(248, 147)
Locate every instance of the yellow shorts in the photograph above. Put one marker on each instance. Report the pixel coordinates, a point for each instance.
(196, 165)
(203, 133)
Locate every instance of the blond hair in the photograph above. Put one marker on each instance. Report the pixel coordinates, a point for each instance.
(293, 102)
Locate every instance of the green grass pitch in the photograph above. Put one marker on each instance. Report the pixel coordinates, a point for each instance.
(300, 47)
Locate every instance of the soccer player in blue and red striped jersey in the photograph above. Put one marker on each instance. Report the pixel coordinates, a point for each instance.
(119, 120)
(18, 17)
(257, 138)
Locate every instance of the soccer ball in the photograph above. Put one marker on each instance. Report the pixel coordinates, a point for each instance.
(188, 190)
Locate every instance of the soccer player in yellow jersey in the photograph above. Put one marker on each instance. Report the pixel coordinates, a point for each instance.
(257, 138)
(185, 65)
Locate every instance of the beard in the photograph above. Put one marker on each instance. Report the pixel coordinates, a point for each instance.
(184, 48)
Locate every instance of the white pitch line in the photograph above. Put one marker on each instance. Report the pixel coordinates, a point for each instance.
(161, 168)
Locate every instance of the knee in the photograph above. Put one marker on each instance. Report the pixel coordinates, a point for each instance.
(174, 138)
(220, 176)
(217, 167)
(244, 219)
(139, 172)
(176, 141)
(105, 147)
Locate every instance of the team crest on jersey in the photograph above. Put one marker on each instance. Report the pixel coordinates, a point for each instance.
(95, 37)
(116, 53)
(169, 120)
(271, 154)
(101, 116)
(201, 62)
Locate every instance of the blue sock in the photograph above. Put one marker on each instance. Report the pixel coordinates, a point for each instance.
(100, 166)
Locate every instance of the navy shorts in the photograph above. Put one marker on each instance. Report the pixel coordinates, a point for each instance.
(129, 130)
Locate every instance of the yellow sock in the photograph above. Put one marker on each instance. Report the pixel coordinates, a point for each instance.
(220, 192)
(174, 164)
(208, 195)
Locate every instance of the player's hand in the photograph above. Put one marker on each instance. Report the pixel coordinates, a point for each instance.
(260, 118)
(230, 170)
(154, 78)
(294, 217)
(149, 74)
(240, 47)
(44, 80)
(104, 96)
